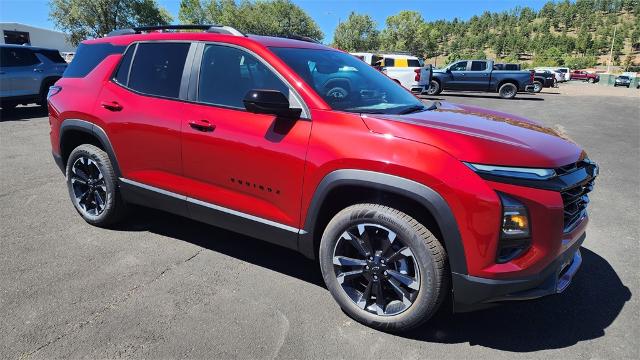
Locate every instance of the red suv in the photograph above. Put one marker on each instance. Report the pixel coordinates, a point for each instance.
(403, 203)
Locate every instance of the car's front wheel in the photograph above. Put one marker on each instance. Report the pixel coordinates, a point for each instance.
(384, 268)
(92, 186)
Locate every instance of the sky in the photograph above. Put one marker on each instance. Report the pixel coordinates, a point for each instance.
(327, 13)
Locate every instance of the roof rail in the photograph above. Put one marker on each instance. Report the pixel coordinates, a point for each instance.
(301, 38)
(218, 29)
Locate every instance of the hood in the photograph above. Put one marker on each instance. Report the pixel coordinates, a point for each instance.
(481, 136)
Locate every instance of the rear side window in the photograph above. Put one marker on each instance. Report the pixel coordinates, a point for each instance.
(88, 57)
(389, 62)
(53, 55)
(157, 68)
(414, 63)
(122, 75)
(10, 57)
(478, 66)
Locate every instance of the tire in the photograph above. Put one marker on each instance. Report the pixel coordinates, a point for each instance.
(508, 90)
(537, 86)
(42, 97)
(426, 279)
(434, 88)
(590, 80)
(92, 186)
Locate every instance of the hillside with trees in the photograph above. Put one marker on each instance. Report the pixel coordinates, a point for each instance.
(577, 34)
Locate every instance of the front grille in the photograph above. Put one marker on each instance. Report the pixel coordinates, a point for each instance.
(575, 201)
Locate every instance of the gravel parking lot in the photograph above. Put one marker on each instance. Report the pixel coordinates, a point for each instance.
(166, 287)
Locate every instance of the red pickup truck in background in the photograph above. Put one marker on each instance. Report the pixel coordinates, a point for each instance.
(585, 76)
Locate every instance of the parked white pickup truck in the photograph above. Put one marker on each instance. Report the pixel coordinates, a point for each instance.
(407, 70)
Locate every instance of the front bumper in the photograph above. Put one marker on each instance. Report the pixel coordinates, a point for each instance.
(473, 293)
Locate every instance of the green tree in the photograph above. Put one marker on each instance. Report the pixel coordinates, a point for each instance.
(261, 17)
(405, 32)
(82, 19)
(358, 33)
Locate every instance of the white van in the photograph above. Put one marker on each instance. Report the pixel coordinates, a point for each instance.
(409, 71)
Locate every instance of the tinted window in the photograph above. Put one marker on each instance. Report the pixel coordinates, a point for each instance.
(228, 73)
(478, 66)
(414, 63)
(157, 68)
(459, 66)
(16, 37)
(88, 57)
(122, 75)
(346, 83)
(52, 55)
(11, 56)
(389, 62)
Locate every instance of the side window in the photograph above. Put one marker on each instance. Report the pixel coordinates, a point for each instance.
(17, 57)
(228, 73)
(53, 56)
(414, 63)
(122, 75)
(459, 66)
(88, 57)
(157, 68)
(389, 62)
(478, 66)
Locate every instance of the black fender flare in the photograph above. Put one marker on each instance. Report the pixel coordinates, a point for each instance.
(423, 194)
(92, 129)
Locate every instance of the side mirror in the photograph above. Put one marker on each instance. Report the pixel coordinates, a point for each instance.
(269, 102)
(448, 70)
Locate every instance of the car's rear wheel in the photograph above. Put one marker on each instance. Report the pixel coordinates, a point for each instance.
(92, 186)
(384, 268)
(537, 86)
(508, 91)
(434, 88)
(591, 80)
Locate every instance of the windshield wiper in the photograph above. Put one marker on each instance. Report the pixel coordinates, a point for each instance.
(412, 109)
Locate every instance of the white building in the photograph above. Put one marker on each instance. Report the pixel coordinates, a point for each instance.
(15, 33)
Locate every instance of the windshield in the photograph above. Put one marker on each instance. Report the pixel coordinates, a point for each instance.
(348, 84)
(623, 77)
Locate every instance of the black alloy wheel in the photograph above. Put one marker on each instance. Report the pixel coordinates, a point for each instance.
(376, 269)
(89, 187)
(93, 186)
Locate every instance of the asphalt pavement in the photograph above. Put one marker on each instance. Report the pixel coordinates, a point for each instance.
(162, 286)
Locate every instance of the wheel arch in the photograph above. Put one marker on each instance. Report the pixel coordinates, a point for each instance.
(75, 132)
(512, 81)
(342, 188)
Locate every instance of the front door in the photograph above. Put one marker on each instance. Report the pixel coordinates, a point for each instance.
(457, 76)
(243, 171)
(20, 74)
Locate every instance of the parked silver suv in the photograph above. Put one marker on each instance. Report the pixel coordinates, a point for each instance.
(26, 73)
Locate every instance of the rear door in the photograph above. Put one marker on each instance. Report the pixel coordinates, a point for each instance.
(244, 171)
(142, 109)
(20, 74)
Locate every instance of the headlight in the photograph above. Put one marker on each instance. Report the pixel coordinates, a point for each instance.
(514, 172)
(515, 230)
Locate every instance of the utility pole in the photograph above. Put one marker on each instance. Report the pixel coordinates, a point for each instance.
(611, 52)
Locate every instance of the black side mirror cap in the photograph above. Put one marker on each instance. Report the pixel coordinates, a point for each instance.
(274, 102)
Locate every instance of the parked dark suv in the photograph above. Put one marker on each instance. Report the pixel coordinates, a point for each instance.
(403, 203)
(26, 73)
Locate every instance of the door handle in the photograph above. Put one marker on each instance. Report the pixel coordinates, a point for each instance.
(111, 106)
(202, 125)
(37, 70)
